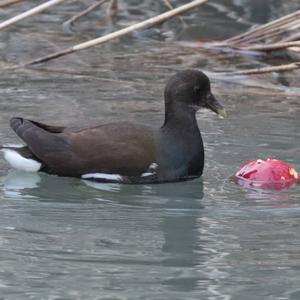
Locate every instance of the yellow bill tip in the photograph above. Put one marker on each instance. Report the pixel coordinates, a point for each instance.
(222, 113)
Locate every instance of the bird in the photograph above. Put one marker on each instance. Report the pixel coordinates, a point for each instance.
(123, 152)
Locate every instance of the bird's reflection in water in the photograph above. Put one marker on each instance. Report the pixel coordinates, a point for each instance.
(174, 210)
(176, 196)
(180, 229)
(15, 182)
(180, 207)
(180, 195)
(43, 187)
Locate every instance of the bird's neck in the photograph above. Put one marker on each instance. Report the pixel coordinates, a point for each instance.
(180, 116)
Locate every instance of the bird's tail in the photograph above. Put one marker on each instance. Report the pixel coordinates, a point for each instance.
(20, 157)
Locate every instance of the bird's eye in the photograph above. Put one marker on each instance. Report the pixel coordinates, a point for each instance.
(196, 89)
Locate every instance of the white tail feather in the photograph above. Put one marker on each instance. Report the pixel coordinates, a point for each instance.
(17, 161)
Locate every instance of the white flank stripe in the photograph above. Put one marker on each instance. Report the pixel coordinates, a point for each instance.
(147, 174)
(19, 162)
(105, 176)
(151, 170)
(13, 145)
(153, 166)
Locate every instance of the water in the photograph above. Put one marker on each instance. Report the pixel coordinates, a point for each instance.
(63, 238)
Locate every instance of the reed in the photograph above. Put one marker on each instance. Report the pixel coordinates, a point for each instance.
(280, 68)
(5, 3)
(83, 13)
(119, 33)
(28, 13)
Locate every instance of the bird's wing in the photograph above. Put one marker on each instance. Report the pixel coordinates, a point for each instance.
(120, 148)
(113, 149)
(39, 137)
(49, 128)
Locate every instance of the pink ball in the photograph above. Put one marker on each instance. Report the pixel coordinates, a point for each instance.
(269, 174)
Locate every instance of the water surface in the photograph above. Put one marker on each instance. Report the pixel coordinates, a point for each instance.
(63, 238)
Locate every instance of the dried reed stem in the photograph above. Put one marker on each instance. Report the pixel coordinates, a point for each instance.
(5, 3)
(264, 29)
(291, 38)
(272, 32)
(112, 9)
(170, 6)
(270, 47)
(28, 13)
(100, 40)
(84, 13)
(281, 68)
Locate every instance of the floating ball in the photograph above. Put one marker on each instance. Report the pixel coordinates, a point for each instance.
(269, 174)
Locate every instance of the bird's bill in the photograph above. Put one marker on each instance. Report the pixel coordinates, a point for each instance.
(215, 106)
